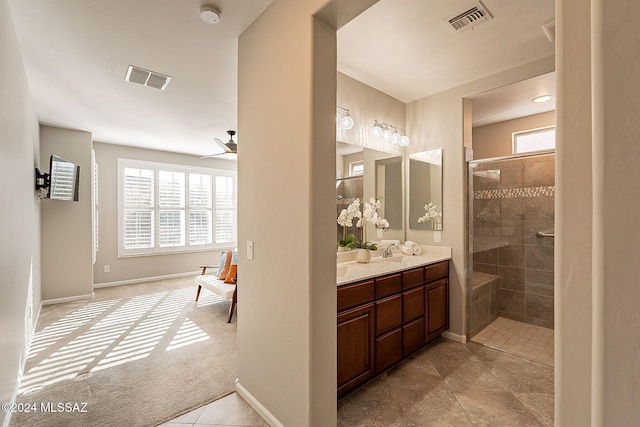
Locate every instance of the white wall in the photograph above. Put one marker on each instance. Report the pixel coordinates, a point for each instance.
(67, 227)
(138, 268)
(287, 293)
(437, 122)
(19, 211)
(597, 208)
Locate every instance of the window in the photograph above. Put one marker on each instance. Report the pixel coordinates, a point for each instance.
(169, 208)
(356, 168)
(534, 140)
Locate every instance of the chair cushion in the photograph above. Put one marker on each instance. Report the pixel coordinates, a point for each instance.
(218, 286)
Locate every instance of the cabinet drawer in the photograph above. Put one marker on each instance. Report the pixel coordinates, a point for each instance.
(388, 314)
(412, 278)
(412, 304)
(436, 271)
(388, 349)
(388, 285)
(413, 336)
(355, 294)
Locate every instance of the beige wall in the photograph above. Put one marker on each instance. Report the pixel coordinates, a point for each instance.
(367, 104)
(130, 269)
(19, 212)
(287, 293)
(597, 208)
(437, 122)
(67, 227)
(495, 140)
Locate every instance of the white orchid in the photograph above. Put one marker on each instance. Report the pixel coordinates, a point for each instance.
(346, 216)
(430, 214)
(369, 214)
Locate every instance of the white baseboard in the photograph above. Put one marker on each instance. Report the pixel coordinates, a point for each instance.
(144, 279)
(68, 299)
(257, 406)
(454, 337)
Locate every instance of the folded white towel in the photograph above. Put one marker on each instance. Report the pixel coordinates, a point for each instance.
(417, 250)
(407, 251)
(410, 244)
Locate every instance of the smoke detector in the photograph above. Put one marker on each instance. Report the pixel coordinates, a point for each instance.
(468, 18)
(210, 14)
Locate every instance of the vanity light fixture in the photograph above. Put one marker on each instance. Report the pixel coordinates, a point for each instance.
(543, 98)
(389, 133)
(343, 118)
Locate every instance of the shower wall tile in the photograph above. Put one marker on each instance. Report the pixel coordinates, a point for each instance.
(513, 316)
(512, 231)
(540, 208)
(538, 276)
(539, 258)
(531, 229)
(486, 253)
(512, 278)
(539, 171)
(538, 289)
(539, 307)
(511, 302)
(511, 256)
(485, 268)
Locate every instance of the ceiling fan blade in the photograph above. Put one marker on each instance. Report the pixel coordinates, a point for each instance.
(221, 144)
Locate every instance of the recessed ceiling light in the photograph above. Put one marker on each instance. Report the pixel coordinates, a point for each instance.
(543, 98)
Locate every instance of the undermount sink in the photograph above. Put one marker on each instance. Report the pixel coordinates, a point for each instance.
(400, 259)
(341, 271)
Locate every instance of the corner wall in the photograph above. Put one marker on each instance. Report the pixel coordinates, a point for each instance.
(19, 212)
(67, 227)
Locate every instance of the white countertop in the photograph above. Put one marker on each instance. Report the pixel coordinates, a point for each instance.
(348, 270)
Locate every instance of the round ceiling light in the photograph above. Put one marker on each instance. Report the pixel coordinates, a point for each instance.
(543, 98)
(210, 14)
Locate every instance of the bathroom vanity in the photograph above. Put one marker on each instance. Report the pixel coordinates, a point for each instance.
(387, 310)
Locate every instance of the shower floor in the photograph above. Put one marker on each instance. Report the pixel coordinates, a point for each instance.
(521, 339)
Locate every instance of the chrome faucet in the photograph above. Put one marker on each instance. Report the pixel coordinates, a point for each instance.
(387, 252)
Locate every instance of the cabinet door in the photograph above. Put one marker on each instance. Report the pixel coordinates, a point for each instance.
(388, 349)
(412, 336)
(437, 305)
(355, 347)
(388, 314)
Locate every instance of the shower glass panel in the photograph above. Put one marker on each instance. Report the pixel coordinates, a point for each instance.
(511, 200)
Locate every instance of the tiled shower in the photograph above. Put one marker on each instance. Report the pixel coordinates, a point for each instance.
(511, 226)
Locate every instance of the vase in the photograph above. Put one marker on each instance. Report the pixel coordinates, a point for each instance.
(342, 248)
(363, 255)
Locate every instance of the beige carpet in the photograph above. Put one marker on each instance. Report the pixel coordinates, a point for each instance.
(136, 355)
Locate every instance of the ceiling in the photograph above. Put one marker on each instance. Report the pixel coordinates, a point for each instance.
(76, 54)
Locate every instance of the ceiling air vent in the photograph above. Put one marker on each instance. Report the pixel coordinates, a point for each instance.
(147, 78)
(467, 19)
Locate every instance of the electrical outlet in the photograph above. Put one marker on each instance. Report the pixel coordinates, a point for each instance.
(107, 268)
(437, 236)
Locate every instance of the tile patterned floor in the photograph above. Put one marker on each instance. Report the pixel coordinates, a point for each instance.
(444, 384)
(529, 341)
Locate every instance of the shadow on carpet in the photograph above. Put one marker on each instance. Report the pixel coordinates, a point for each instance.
(136, 355)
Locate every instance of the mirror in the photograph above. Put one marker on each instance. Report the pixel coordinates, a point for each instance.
(425, 186)
(365, 173)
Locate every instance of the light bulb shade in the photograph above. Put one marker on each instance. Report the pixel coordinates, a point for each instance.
(346, 122)
(404, 141)
(376, 130)
(386, 133)
(395, 137)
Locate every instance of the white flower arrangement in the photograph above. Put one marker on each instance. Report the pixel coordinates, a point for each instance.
(369, 214)
(431, 213)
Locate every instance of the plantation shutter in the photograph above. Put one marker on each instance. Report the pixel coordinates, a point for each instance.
(171, 208)
(225, 209)
(138, 208)
(200, 204)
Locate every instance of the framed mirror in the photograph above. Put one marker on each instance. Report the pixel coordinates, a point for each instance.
(425, 190)
(364, 173)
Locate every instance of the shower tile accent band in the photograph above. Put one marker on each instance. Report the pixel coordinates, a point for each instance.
(505, 193)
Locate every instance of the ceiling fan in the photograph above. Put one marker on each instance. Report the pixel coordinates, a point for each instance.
(229, 147)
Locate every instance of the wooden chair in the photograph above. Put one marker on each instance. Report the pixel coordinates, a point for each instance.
(228, 291)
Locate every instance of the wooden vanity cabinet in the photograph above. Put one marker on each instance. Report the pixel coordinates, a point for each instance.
(383, 320)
